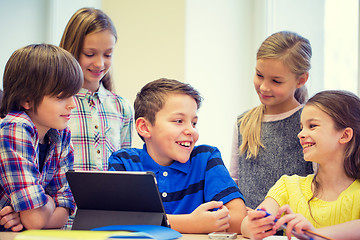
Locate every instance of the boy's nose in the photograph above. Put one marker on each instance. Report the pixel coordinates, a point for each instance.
(189, 130)
(71, 103)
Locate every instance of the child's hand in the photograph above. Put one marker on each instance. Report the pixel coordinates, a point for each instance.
(296, 222)
(260, 226)
(211, 221)
(10, 219)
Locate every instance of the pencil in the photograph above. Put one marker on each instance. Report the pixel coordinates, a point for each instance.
(309, 232)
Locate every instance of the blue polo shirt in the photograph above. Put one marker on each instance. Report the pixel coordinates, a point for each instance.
(183, 186)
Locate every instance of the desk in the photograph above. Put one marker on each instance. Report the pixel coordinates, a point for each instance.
(11, 236)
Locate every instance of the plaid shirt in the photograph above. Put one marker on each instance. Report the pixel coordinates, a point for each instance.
(22, 185)
(100, 124)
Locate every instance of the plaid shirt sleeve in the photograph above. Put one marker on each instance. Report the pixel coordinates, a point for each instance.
(19, 175)
(126, 130)
(62, 158)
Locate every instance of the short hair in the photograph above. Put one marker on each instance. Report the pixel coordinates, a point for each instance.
(151, 97)
(83, 22)
(39, 70)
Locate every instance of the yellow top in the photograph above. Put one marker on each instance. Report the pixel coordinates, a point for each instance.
(296, 192)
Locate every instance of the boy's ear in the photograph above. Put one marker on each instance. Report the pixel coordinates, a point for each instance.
(142, 127)
(347, 135)
(302, 79)
(27, 104)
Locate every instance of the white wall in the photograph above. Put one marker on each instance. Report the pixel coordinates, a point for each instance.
(17, 26)
(294, 15)
(209, 43)
(24, 22)
(219, 61)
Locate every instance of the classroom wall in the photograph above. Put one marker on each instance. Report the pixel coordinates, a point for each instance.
(150, 44)
(210, 44)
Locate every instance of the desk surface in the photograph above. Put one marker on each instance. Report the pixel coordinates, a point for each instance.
(11, 236)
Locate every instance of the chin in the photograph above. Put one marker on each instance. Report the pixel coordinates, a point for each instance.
(183, 160)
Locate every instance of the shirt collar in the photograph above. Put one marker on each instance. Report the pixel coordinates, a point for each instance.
(101, 94)
(151, 165)
(54, 135)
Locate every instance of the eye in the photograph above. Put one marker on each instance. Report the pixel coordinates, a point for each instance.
(194, 124)
(178, 121)
(276, 81)
(259, 75)
(88, 54)
(108, 55)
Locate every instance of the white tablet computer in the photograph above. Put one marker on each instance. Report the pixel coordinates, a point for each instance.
(106, 198)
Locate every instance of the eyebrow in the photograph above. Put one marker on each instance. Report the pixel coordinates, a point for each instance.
(182, 114)
(95, 49)
(258, 71)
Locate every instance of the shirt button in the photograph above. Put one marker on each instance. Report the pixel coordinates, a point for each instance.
(98, 151)
(165, 174)
(164, 194)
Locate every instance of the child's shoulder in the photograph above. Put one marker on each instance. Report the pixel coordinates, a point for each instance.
(296, 179)
(112, 97)
(204, 148)
(16, 117)
(127, 153)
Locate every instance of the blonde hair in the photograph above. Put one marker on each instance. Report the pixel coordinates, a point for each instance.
(83, 22)
(295, 52)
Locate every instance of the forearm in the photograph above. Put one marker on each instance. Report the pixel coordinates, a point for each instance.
(37, 218)
(59, 218)
(348, 230)
(181, 223)
(237, 211)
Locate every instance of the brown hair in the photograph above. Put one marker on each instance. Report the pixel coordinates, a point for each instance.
(295, 52)
(344, 109)
(39, 70)
(83, 22)
(151, 97)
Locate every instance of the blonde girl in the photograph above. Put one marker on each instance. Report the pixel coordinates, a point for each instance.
(265, 144)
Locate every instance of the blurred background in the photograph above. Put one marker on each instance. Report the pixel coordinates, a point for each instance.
(210, 44)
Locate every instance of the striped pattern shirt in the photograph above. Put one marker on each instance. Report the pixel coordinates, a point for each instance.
(183, 186)
(100, 124)
(22, 185)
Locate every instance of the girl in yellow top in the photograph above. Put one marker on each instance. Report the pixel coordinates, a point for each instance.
(330, 136)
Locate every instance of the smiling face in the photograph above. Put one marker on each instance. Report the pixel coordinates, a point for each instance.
(275, 85)
(174, 134)
(52, 112)
(320, 140)
(96, 57)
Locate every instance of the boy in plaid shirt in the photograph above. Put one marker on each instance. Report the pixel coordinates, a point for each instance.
(35, 151)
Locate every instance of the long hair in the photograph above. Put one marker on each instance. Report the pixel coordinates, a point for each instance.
(83, 22)
(39, 70)
(295, 53)
(344, 109)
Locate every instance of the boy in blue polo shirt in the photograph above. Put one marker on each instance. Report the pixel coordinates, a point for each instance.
(198, 193)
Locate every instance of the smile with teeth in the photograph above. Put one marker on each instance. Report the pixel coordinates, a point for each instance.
(306, 145)
(184, 144)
